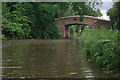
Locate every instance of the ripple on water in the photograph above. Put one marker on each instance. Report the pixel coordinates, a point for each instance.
(12, 67)
(73, 73)
(22, 77)
(89, 77)
(9, 60)
(10, 73)
(85, 68)
(88, 71)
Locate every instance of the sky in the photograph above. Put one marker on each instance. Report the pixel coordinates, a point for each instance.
(105, 7)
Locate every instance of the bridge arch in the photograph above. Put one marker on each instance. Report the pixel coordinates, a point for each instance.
(75, 20)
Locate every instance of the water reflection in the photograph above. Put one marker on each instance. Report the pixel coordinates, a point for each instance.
(47, 59)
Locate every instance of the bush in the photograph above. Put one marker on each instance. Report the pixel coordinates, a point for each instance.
(102, 46)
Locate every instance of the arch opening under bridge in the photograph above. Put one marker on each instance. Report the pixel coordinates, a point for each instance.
(78, 28)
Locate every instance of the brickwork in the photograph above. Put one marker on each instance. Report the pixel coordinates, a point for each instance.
(72, 20)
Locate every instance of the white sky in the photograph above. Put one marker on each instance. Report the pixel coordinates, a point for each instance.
(105, 7)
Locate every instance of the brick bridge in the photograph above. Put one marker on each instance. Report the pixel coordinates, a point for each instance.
(63, 23)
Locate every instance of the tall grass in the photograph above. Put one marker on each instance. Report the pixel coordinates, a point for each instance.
(102, 47)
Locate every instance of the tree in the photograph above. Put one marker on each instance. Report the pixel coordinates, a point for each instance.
(113, 13)
(43, 22)
(15, 23)
(77, 8)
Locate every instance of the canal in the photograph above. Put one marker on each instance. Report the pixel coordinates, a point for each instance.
(47, 59)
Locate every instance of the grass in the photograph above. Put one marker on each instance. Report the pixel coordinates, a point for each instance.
(102, 46)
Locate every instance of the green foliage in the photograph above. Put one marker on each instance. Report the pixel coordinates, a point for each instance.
(114, 15)
(63, 9)
(76, 30)
(24, 20)
(102, 46)
(15, 23)
(44, 21)
(72, 31)
(29, 20)
(84, 8)
(77, 8)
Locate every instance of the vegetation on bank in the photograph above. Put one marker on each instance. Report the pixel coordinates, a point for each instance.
(102, 47)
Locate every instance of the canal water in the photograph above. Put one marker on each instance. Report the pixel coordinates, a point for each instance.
(47, 59)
